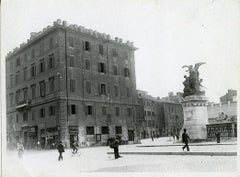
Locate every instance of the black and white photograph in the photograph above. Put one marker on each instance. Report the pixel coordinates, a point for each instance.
(120, 88)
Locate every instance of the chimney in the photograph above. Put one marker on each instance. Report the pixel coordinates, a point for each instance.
(64, 23)
(59, 21)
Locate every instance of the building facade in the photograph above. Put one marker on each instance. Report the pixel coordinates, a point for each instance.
(159, 117)
(223, 116)
(71, 83)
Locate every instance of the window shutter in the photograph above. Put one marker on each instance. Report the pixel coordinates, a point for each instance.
(76, 109)
(69, 109)
(85, 109)
(89, 44)
(99, 89)
(83, 45)
(99, 67)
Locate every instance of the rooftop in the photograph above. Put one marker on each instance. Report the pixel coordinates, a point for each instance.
(63, 24)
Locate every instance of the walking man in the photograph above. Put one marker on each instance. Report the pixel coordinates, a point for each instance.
(185, 139)
(116, 147)
(20, 149)
(60, 150)
(75, 147)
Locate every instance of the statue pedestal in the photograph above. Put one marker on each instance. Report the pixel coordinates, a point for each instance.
(195, 116)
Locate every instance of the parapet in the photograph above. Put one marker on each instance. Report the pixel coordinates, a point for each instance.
(74, 27)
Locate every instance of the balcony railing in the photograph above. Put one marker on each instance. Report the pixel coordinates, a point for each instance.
(23, 105)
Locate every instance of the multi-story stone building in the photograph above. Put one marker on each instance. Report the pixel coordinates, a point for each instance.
(148, 121)
(171, 115)
(70, 83)
(159, 117)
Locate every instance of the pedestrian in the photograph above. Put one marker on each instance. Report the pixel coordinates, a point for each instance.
(177, 137)
(115, 145)
(60, 150)
(38, 145)
(152, 137)
(185, 139)
(218, 136)
(20, 149)
(74, 147)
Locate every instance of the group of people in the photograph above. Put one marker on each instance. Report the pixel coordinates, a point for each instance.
(114, 144)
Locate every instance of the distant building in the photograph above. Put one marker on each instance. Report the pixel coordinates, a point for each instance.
(230, 96)
(223, 116)
(148, 122)
(159, 117)
(173, 98)
(71, 83)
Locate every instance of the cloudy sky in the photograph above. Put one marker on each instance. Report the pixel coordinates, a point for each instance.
(168, 35)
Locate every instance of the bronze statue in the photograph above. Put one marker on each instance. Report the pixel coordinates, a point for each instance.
(192, 83)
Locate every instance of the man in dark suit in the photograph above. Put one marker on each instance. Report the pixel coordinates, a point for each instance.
(185, 139)
(60, 150)
(116, 147)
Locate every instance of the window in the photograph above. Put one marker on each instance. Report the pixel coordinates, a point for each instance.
(42, 66)
(89, 110)
(71, 61)
(105, 130)
(17, 78)
(102, 89)
(42, 88)
(129, 111)
(149, 113)
(25, 94)
(51, 110)
(128, 92)
(87, 46)
(41, 48)
(33, 115)
(88, 86)
(72, 85)
(11, 66)
(115, 70)
(18, 62)
(33, 87)
(42, 113)
(11, 99)
(50, 43)
(102, 67)
(114, 52)
(33, 53)
(11, 80)
(51, 84)
(25, 58)
(104, 110)
(17, 96)
(25, 116)
(125, 55)
(100, 49)
(51, 61)
(145, 113)
(33, 70)
(25, 74)
(118, 130)
(17, 119)
(126, 72)
(70, 41)
(116, 91)
(87, 64)
(90, 130)
(117, 111)
(73, 109)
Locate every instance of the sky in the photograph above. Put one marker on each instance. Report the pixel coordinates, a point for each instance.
(168, 35)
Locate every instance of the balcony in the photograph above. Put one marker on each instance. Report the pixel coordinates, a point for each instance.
(23, 105)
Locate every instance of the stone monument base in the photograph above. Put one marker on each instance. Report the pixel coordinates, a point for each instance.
(195, 117)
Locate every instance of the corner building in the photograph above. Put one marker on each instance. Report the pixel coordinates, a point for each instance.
(70, 83)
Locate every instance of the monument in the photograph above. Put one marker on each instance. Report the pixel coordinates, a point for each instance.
(194, 104)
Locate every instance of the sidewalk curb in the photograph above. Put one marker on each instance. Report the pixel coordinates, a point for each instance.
(167, 145)
(180, 153)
